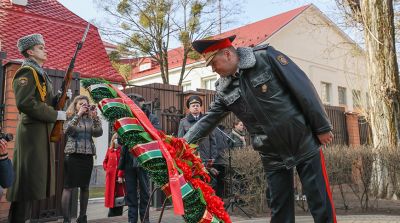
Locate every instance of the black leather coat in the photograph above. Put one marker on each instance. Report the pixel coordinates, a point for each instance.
(276, 102)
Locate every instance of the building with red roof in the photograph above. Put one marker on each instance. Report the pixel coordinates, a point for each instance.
(333, 61)
(61, 30)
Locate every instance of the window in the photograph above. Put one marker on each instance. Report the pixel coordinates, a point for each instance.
(342, 96)
(187, 86)
(356, 98)
(326, 92)
(209, 83)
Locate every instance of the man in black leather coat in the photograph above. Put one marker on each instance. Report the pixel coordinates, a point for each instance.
(282, 112)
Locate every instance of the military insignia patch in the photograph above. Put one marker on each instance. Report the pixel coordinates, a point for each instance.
(264, 88)
(282, 59)
(22, 81)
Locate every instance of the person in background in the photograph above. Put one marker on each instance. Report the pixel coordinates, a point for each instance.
(113, 188)
(6, 169)
(238, 135)
(82, 124)
(134, 176)
(33, 159)
(207, 146)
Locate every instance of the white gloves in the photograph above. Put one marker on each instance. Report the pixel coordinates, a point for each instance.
(69, 93)
(61, 115)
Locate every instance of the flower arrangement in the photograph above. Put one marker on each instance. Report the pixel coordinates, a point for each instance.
(170, 162)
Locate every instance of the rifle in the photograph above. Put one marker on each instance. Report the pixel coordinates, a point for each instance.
(57, 129)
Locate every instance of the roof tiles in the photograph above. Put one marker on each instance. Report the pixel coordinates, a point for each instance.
(61, 30)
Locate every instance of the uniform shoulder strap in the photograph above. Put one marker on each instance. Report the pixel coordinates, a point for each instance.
(261, 47)
(41, 89)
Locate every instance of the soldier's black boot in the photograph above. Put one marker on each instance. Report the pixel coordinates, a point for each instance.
(81, 219)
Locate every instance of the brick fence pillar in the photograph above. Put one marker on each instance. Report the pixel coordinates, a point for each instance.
(353, 130)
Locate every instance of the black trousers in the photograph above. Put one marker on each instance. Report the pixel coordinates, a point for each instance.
(133, 177)
(20, 211)
(315, 185)
(218, 182)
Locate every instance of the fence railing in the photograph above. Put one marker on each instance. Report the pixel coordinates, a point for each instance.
(167, 102)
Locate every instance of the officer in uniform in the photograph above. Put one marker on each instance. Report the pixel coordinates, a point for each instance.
(33, 160)
(207, 145)
(282, 112)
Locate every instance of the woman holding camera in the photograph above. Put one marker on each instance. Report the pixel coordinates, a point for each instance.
(82, 124)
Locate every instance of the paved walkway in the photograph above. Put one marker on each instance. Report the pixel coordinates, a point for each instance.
(97, 213)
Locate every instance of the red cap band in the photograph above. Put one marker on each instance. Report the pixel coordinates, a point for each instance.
(219, 45)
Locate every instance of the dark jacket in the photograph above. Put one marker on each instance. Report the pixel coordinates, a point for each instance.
(207, 144)
(222, 145)
(276, 102)
(6, 173)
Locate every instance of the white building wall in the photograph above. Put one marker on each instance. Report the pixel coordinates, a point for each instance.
(324, 54)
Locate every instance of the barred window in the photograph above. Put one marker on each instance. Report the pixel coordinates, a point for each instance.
(342, 96)
(209, 83)
(326, 92)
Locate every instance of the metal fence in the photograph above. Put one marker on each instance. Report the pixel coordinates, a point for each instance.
(167, 102)
(338, 120)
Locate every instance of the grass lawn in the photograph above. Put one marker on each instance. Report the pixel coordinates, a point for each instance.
(96, 192)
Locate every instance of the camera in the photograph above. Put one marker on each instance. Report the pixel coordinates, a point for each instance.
(92, 107)
(6, 136)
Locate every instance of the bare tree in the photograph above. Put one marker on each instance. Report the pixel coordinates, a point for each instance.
(147, 27)
(377, 20)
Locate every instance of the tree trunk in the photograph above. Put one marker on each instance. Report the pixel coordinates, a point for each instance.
(382, 71)
(185, 56)
(378, 19)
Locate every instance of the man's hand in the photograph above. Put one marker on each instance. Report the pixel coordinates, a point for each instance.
(3, 149)
(3, 146)
(325, 138)
(213, 171)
